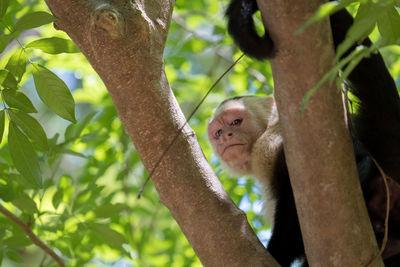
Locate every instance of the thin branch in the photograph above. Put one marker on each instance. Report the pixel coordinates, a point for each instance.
(31, 235)
(385, 236)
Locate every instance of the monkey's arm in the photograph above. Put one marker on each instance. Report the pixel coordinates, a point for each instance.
(377, 120)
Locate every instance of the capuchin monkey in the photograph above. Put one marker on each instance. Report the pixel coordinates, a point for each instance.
(245, 134)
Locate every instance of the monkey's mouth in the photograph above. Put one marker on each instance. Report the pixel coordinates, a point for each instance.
(230, 146)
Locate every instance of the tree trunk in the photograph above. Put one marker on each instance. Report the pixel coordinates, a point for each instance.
(319, 153)
(124, 42)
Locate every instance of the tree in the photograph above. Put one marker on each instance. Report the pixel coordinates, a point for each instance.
(124, 42)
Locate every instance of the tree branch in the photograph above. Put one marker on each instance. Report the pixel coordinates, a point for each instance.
(333, 217)
(126, 48)
(31, 235)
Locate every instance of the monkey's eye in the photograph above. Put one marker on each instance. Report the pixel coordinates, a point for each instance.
(236, 122)
(218, 133)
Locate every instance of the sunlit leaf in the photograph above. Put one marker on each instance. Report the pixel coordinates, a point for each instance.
(3, 10)
(19, 100)
(33, 20)
(30, 126)
(2, 122)
(113, 238)
(23, 156)
(57, 198)
(5, 39)
(7, 79)
(54, 92)
(364, 23)
(389, 26)
(54, 45)
(26, 204)
(17, 64)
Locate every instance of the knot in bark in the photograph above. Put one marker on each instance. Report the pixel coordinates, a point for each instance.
(109, 19)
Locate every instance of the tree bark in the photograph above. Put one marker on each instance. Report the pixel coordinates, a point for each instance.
(124, 42)
(319, 153)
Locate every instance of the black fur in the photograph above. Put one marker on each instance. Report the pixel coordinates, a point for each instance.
(376, 130)
(241, 28)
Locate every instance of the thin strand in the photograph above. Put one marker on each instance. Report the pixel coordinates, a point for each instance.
(186, 122)
(384, 178)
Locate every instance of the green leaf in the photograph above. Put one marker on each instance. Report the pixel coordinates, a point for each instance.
(2, 122)
(19, 100)
(23, 156)
(323, 11)
(1, 256)
(364, 23)
(54, 45)
(113, 238)
(17, 240)
(17, 64)
(23, 202)
(6, 193)
(73, 153)
(330, 75)
(74, 131)
(14, 256)
(33, 20)
(3, 9)
(54, 92)
(5, 39)
(389, 26)
(7, 79)
(57, 198)
(30, 126)
(27, 184)
(108, 210)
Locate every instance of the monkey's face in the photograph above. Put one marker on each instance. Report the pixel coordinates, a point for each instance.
(232, 136)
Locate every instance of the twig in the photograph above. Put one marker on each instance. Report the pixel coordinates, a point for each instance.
(385, 180)
(31, 235)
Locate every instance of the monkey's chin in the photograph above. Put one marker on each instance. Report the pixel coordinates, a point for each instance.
(237, 169)
(236, 153)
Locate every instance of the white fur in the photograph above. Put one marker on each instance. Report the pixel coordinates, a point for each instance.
(263, 161)
(265, 119)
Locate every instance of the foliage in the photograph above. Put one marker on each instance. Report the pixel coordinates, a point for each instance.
(379, 16)
(75, 184)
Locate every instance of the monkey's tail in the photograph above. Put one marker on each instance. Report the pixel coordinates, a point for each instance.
(241, 28)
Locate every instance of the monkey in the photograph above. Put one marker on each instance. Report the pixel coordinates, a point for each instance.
(245, 134)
